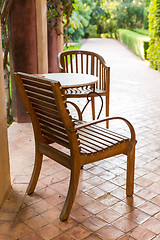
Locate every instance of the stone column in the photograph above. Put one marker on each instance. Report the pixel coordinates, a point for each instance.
(5, 182)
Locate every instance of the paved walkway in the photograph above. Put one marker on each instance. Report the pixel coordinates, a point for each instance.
(99, 212)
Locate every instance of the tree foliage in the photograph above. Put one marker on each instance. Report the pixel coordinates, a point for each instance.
(154, 29)
(79, 19)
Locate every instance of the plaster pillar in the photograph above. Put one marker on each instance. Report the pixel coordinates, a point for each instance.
(42, 44)
(5, 182)
(29, 51)
(23, 49)
(52, 50)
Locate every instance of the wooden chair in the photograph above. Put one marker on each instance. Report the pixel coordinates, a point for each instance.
(87, 142)
(79, 61)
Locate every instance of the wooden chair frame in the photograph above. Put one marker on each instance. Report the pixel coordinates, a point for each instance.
(80, 61)
(87, 142)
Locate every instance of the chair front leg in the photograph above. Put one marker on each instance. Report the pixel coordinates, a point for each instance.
(36, 171)
(130, 172)
(107, 110)
(74, 179)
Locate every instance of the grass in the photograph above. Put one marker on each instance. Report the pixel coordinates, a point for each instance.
(73, 47)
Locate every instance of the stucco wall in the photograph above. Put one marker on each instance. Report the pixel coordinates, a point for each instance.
(4, 156)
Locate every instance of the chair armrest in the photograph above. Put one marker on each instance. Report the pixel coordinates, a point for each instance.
(89, 100)
(84, 125)
(77, 109)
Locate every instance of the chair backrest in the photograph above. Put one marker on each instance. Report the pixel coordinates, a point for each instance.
(80, 61)
(45, 104)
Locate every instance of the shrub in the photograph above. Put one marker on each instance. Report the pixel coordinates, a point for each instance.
(154, 28)
(108, 35)
(135, 41)
(142, 31)
(91, 32)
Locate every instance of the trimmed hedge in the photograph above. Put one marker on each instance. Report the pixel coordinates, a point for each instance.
(141, 31)
(154, 28)
(137, 42)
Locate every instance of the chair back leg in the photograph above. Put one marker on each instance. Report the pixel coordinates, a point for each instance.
(36, 172)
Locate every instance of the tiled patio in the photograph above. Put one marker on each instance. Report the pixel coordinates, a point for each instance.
(101, 209)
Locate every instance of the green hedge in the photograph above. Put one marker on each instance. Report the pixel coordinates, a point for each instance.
(154, 28)
(137, 42)
(141, 31)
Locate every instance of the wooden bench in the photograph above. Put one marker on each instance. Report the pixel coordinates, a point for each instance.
(87, 142)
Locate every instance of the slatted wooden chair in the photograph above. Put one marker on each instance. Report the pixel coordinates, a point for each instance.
(80, 61)
(87, 142)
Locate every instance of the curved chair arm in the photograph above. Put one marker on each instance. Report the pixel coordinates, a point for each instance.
(132, 131)
(77, 109)
(89, 100)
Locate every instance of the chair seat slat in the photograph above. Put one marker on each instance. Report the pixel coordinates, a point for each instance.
(90, 138)
(90, 145)
(105, 130)
(98, 137)
(105, 134)
(85, 150)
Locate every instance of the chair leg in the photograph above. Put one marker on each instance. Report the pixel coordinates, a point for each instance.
(93, 107)
(74, 179)
(36, 172)
(130, 172)
(107, 111)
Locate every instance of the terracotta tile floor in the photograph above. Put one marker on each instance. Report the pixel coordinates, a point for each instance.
(101, 209)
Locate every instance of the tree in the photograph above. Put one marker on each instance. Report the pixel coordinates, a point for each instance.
(108, 15)
(5, 6)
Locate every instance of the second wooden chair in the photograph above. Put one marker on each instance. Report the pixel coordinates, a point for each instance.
(86, 62)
